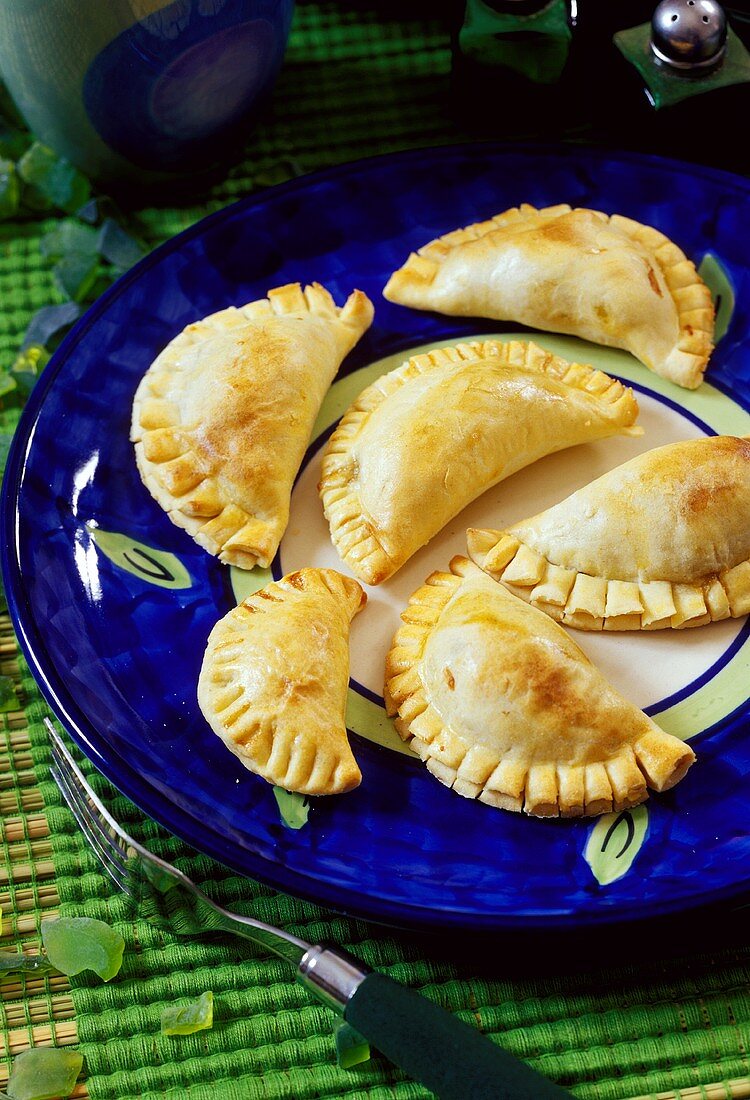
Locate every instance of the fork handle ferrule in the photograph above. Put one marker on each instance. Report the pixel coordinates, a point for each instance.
(331, 975)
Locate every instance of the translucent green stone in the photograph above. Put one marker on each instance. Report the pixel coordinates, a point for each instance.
(184, 1019)
(14, 962)
(351, 1048)
(10, 189)
(74, 944)
(8, 698)
(54, 180)
(44, 1073)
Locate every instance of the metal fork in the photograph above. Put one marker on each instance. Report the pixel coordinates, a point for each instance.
(452, 1059)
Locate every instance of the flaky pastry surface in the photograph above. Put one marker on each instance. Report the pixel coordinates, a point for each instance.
(660, 541)
(274, 681)
(607, 279)
(223, 416)
(503, 706)
(427, 438)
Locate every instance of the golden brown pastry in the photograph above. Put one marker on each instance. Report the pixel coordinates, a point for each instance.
(661, 541)
(503, 706)
(274, 680)
(607, 279)
(223, 416)
(426, 439)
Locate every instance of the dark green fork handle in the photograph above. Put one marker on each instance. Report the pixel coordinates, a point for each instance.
(453, 1060)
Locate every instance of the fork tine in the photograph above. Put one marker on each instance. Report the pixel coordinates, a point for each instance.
(115, 843)
(77, 804)
(108, 840)
(72, 768)
(113, 870)
(89, 812)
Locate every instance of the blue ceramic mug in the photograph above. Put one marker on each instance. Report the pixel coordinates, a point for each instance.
(142, 90)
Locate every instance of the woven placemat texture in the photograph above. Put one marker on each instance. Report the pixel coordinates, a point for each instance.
(649, 1028)
(33, 1010)
(357, 81)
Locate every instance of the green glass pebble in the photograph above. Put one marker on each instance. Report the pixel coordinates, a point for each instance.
(49, 322)
(117, 247)
(7, 383)
(351, 1048)
(10, 189)
(8, 697)
(13, 142)
(74, 944)
(53, 179)
(75, 274)
(69, 237)
(32, 359)
(44, 1073)
(15, 962)
(27, 366)
(184, 1019)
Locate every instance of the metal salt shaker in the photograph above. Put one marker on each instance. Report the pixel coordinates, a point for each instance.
(689, 36)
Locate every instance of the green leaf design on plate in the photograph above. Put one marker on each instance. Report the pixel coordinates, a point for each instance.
(293, 807)
(155, 566)
(715, 276)
(614, 842)
(246, 582)
(370, 721)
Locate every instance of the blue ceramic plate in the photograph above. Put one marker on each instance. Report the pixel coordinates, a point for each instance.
(113, 604)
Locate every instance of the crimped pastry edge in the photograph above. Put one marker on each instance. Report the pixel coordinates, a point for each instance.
(173, 472)
(656, 760)
(353, 533)
(686, 363)
(593, 603)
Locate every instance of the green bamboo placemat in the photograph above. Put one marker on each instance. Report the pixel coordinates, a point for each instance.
(607, 1031)
(357, 80)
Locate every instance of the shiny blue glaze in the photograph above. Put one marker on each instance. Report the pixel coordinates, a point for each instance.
(177, 90)
(118, 658)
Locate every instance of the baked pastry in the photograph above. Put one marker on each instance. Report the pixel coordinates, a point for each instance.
(607, 279)
(661, 541)
(274, 680)
(223, 416)
(426, 439)
(503, 706)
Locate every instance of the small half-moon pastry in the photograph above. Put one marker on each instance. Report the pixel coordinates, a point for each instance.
(607, 279)
(503, 706)
(274, 680)
(223, 416)
(661, 541)
(426, 439)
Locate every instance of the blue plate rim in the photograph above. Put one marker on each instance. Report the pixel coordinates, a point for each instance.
(142, 793)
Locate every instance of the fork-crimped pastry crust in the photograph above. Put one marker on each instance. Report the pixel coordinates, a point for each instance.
(223, 416)
(274, 681)
(661, 541)
(605, 278)
(424, 440)
(503, 706)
